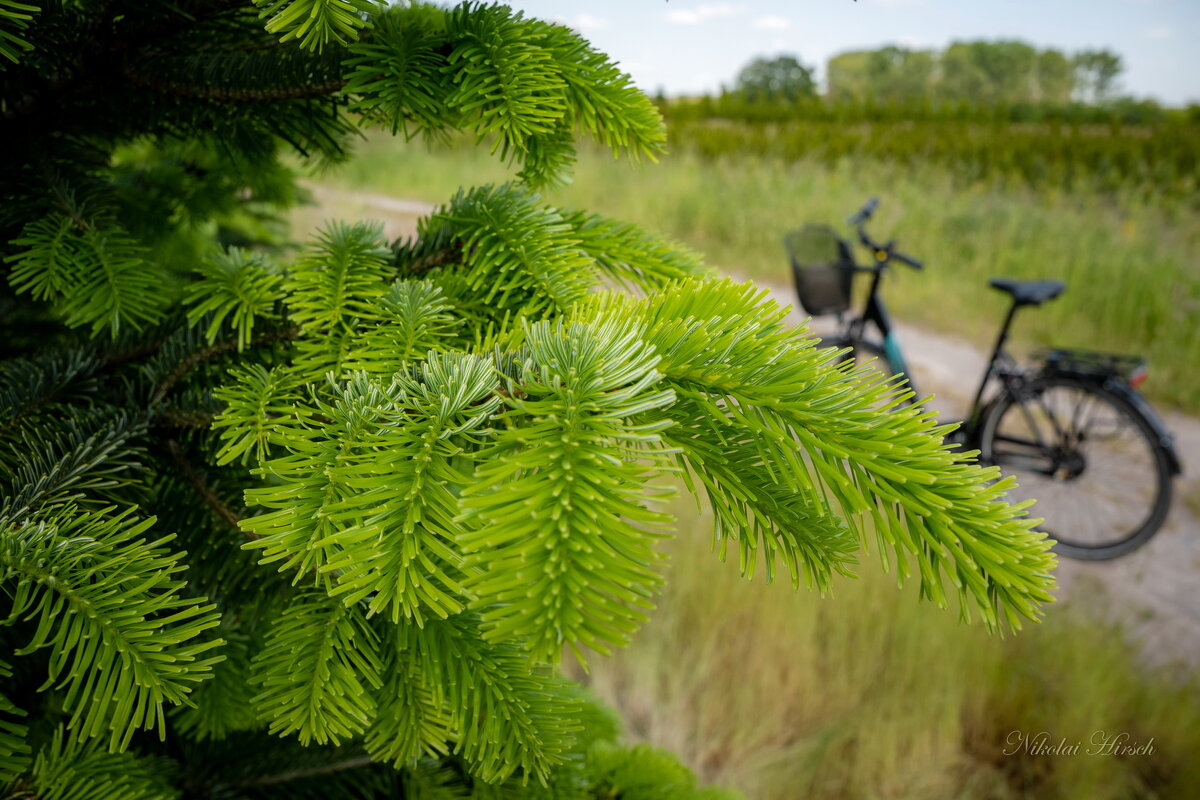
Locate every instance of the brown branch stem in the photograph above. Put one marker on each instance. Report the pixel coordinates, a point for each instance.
(200, 356)
(203, 489)
(230, 93)
(309, 772)
(435, 259)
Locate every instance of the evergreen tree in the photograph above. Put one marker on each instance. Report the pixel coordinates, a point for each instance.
(779, 79)
(323, 525)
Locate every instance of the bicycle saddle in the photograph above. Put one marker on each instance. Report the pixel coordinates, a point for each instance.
(1028, 293)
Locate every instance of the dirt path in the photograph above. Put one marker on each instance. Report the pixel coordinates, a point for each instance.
(1155, 590)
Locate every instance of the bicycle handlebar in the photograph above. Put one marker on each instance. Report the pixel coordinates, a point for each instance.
(883, 252)
(864, 213)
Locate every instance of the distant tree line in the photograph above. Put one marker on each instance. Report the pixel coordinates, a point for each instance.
(980, 73)
(987, 111)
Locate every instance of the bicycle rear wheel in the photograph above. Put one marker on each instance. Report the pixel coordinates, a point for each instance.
(1090, 459)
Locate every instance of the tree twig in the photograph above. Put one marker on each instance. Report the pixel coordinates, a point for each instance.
(203, 489)
(231, 93)
(217, 349)
(306, 772)
(437, 258)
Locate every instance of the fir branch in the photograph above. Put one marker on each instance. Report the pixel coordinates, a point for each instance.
(15, 751)
(83, 458)
(260, 406)
(237, 285)
(339, 278)
(880, 462)
(123, 640)
(30, 385)
(65, 767)
(317, 671)
(96, 272)
(508, 714)
(14, 17)
(518, 254)
(563, 522)
(315, 23)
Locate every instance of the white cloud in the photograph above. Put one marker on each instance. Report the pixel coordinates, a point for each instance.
(702, 13)
(1158, 32)
(772, 22)
(587, 22)
(899, 3)
(584, 23)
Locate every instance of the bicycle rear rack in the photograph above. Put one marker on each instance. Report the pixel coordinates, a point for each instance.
(1091, 364)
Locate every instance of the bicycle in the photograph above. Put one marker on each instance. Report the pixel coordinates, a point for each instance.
(1072, 428)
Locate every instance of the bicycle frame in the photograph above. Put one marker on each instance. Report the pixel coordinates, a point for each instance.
(876, 312)
(1002, 366)
(999, 363)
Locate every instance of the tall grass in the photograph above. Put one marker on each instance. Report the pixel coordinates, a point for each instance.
(1132, 269)
(870, 693)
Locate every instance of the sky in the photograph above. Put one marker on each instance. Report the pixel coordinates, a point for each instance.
(693, 46)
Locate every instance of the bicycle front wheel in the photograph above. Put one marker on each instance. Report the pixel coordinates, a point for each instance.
(1090, 459)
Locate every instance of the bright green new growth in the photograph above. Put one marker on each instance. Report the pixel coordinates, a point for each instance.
(14, 17)
(325, 524)
(316, 23)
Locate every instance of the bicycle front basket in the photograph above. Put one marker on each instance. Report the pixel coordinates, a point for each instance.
(822, 268)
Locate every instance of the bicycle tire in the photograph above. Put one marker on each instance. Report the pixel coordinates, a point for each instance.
(1102, 496)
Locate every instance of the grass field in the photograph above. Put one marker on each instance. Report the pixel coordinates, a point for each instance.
(870, 693)
(1132, 269)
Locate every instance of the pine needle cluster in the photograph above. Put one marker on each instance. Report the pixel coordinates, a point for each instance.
(323, 524)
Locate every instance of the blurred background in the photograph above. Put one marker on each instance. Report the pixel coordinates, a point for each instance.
(1024, 139)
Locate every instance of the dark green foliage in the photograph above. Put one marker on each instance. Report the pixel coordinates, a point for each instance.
(70, 770)
(123, 639)
(322, 524)
(14, 745)
(980, 73)
(998, 112)
(1156, 162)
(782, 79)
